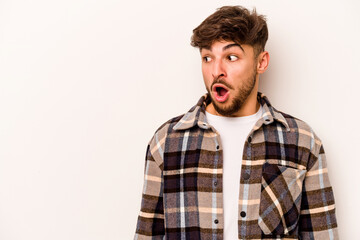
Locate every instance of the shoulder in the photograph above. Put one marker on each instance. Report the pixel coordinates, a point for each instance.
(157, 142)
(167, 126)
(300, 126)
(303, 136)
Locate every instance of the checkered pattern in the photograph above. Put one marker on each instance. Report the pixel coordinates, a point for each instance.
(285, 191)
(280, 198)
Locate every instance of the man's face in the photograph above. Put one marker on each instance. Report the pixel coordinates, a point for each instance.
(229, 71)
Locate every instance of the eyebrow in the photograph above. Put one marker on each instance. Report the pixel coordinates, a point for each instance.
(226, 47)
(232, 45)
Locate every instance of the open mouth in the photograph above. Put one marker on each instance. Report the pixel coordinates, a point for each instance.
(220, 92)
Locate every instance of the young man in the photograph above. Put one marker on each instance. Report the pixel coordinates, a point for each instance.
(235, 167)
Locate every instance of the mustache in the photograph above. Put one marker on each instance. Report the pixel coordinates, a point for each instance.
(222, 81)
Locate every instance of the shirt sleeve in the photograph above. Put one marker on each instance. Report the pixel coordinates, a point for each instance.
(317, 216)
(150, 223)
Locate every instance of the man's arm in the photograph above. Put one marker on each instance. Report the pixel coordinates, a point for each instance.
(317, 216)
(150, 224)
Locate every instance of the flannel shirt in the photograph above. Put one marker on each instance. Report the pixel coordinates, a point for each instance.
(285, 191)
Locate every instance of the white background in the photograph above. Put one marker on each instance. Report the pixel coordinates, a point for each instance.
(84, 84)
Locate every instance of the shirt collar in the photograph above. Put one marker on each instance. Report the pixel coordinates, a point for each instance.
(196, 115)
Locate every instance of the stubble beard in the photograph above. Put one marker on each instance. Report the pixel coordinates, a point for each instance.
(242, 94)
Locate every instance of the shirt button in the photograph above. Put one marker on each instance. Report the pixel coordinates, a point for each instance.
(243, 214)
(246, 176)
(217, 146)
(215, 183)
(249, 139)
(216, 221)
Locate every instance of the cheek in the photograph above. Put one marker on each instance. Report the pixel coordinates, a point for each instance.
(241, 71)
(204, 69)
(206, 74)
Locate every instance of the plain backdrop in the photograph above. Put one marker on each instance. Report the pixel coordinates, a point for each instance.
(84, 84)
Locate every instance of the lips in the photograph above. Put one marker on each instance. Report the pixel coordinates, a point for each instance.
(220, 92)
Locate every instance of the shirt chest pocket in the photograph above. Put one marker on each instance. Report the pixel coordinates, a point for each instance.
(280, 198)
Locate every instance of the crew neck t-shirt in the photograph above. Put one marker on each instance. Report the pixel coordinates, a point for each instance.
(233, 133)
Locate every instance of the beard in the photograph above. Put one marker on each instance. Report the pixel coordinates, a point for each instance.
(242, 94)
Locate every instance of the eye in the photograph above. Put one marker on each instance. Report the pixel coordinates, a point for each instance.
(207, 59)
(232, 57)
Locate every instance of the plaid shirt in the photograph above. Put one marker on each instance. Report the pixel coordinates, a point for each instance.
(285, 191)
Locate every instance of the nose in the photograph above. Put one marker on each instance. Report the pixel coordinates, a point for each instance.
(218, 69)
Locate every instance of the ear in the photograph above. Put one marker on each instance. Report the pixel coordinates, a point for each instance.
(262, 62)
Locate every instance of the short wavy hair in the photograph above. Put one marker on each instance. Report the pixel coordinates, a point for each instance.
(232, 23)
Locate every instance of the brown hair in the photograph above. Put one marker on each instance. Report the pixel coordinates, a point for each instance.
(232, 23)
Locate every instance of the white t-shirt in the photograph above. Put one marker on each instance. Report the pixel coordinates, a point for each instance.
(233, 132)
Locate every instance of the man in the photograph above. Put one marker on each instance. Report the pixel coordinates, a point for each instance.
(235, 167)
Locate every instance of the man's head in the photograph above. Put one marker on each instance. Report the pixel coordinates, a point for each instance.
(231, 43)
(232, 23)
